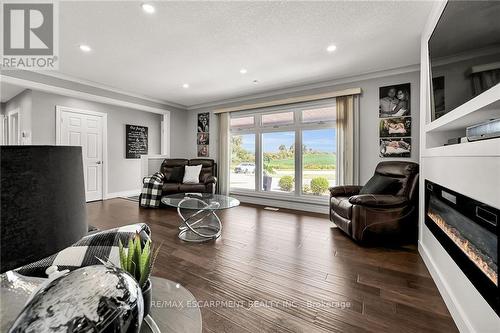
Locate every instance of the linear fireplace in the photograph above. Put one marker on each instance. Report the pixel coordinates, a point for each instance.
(468, 231)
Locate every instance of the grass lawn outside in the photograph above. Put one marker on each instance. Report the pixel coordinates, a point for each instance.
(317, 161)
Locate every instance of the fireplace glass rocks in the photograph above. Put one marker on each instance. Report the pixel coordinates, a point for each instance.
(468, 231)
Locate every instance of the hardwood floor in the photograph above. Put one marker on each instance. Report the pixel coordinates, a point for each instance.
(313, 278)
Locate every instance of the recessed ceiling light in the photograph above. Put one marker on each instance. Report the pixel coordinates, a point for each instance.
(243, 71)
(148, 8)
(85, 48)
(185, 85)
(331, 48)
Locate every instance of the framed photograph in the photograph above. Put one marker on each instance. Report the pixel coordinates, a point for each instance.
(202, 150)
(395, 147)
(395, 127)
(203, 139)
(394, 101)
(204, 122)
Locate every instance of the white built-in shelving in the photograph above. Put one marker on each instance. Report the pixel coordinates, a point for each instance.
(489, 147)
(479, 109)
(453, 124)
(470, 168)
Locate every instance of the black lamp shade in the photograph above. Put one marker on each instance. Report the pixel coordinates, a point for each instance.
(42, 202)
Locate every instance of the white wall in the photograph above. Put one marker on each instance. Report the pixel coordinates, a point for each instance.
(369, 121)
(123, 174)
(22, 102)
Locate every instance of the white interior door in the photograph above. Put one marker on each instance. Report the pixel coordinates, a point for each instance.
(14, 128)
(85, 130)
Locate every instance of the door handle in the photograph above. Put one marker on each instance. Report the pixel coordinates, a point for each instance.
(98, 162)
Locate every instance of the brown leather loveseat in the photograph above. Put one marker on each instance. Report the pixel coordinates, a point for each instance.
(173, 184)
(389, 214)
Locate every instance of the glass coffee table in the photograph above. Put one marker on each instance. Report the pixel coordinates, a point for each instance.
(200, 223)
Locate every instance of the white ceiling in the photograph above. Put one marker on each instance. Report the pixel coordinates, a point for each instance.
(281, 44)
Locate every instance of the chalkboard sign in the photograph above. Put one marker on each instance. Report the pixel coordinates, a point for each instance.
(136, 141)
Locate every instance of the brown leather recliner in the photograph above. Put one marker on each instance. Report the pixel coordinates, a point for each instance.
(379, 217)
(208, 176)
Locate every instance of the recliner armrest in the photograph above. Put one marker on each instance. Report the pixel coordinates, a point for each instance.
(211, 180)
(379, 200)
(345, 190)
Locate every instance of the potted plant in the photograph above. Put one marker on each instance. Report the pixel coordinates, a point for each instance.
(139, 260)
(267, 179)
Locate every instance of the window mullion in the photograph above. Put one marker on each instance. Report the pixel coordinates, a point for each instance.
(258, 161)
(298, 162)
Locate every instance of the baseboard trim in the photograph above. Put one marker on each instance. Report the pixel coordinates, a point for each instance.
(122, 194)
(449, 298)
(314, 208)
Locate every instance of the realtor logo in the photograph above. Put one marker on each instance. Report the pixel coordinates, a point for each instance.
(29, 36)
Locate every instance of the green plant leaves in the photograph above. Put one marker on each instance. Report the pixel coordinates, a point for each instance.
(136, 260)
(144, 263)
(123, 256)
(130, 257)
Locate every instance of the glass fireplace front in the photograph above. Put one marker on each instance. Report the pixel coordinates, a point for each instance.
(468, 231)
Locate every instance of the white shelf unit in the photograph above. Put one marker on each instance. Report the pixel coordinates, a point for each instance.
(479, 109)
(453, 124)
(472, 169)
(489, 147)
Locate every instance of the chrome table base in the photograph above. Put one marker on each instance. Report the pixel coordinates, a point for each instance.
(203, 225)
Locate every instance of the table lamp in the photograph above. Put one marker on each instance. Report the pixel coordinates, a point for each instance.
(42, 202)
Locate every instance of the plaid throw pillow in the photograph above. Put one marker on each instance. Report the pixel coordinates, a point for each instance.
(85, 252)
(151, 190)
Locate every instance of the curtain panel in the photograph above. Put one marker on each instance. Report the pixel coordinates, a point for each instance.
(224, 153)
(347, 140)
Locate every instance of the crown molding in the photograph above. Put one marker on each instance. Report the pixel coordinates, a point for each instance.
(301, 88)
(28, 84)
(98, 85)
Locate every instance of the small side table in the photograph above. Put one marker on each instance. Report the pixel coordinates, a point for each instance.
(174, 309)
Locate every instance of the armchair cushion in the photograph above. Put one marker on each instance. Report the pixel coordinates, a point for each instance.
(176, 175)
(380, 184)
(341, 206)
(188, 188)
(170, 188)
(378, 200)
(344, 190)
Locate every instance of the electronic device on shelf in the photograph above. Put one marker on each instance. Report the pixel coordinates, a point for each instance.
(488, 130)
(454, 141)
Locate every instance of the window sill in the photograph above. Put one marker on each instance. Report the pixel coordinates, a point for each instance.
(307, 199)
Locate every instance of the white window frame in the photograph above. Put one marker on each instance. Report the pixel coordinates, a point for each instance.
(297, 127)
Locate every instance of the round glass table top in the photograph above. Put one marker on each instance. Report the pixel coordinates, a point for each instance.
(200, 201)
(173, 308)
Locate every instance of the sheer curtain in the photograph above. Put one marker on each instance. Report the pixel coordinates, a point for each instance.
(224, 153)
(347, 140)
